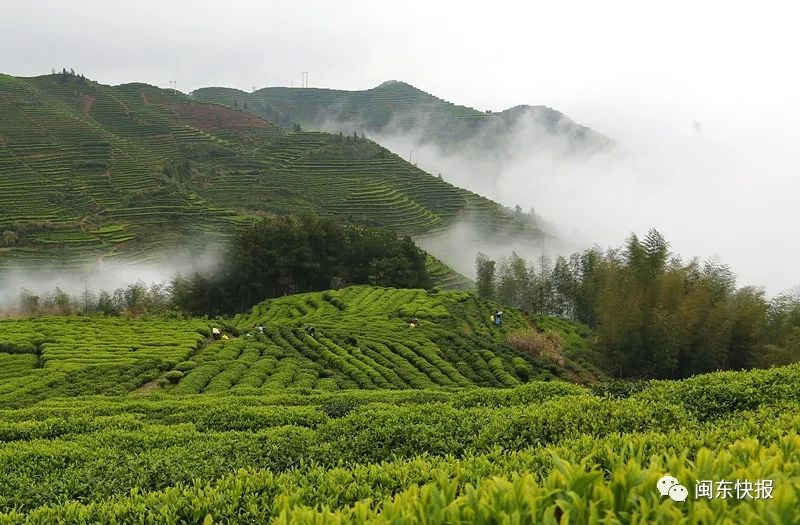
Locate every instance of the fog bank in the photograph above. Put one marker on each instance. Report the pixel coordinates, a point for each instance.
(106, 276)
(718, 186)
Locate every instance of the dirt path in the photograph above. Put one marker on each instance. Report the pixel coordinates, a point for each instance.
(148, 388)
(88, 102)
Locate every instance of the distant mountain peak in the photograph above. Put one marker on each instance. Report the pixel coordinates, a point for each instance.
(395, 106)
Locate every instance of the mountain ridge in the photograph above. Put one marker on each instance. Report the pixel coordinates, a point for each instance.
(394, 106)
(90, 171)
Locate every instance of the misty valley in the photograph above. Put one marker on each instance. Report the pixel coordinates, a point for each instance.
(302, 305)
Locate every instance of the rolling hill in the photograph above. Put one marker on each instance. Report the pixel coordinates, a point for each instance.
(362, 340)
(395, 107)
(125, 173)
(367, 421)
(503, 155)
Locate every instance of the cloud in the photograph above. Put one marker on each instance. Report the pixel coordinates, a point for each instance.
(721, 187)
(636, 72)
(107, 276)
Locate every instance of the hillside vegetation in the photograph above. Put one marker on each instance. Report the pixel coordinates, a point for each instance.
(356, 404)
(397, 107)
(362, 339)
(652, 313)
(124, 172)
(544, 452)
(365, 419)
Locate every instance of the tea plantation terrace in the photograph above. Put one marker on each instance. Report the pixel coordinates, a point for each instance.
(361, 339)
(93, 172)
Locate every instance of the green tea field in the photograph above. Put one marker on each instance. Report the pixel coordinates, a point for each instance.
(330, 407)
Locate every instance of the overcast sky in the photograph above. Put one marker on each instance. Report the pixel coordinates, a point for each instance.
(641, 72)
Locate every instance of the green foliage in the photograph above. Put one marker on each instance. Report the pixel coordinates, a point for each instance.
(485, 280)
(363, 339)
(716, 395)
(185, 366)
(337, 409)
(446, 278)
(91, 355)
(365, 420)
(284, 255)
(615, 387)
(246, 458)
(652, 314)
(173, 376)
(134, 300)
(171, 170)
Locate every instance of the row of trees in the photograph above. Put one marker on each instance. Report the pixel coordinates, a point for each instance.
(274, 257)
(136, 299)
(654, 315)
(65, 76)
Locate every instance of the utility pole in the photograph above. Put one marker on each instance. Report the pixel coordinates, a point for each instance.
(304, 76)
(173, 85)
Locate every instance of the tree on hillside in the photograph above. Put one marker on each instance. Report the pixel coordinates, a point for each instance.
(485, 276)
(283, 255)
(29, 301)
(192, 294)
(565, 285)
(506, 287)
(749, 326)
(654, 315)
(541, 286)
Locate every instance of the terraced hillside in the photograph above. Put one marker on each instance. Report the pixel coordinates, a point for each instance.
(48, 356)
(91, 171)
(362, 339)
(445, 277)
(365, 420)
(543, 452)
(396, 107)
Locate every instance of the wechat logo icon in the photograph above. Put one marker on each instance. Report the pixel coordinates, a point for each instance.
(670, 486)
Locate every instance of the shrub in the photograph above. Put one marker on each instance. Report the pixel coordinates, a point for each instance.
(619, 388)
(338, 408)
(173, 376)
(541, 345)
(185, 366)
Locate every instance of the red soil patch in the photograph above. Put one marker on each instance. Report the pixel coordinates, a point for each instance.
(209, 118)
(88, 102)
